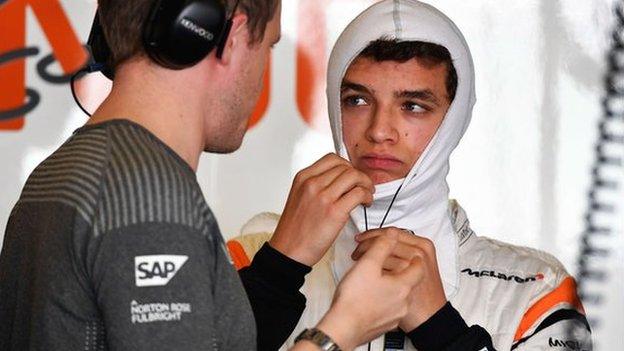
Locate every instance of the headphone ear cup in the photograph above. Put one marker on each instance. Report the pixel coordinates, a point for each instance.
(179, 34)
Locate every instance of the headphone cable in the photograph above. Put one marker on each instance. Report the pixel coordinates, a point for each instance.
(73, 89)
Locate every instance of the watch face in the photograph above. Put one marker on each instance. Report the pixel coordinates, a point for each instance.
(320, 339)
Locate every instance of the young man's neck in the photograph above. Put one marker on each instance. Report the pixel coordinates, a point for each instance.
(161, 101)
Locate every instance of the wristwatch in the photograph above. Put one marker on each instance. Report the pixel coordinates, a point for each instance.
(318, 338)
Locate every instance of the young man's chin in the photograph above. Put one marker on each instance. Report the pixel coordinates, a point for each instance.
(380, 177)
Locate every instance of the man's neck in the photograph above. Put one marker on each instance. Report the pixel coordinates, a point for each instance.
(153, 98)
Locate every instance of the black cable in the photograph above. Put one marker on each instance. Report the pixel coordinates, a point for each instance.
(382, 223)
(590, 255)
(387, 211)
(73, 90)
(389, 207)
(89, 68)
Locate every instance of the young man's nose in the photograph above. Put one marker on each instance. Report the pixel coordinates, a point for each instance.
(381, 128)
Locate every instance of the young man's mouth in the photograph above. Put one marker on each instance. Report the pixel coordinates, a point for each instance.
(380, 161)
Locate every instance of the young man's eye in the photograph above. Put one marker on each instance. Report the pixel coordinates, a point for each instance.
(414, 107)
(354, 101)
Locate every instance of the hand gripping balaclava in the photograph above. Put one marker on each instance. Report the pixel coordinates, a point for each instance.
(422, 202)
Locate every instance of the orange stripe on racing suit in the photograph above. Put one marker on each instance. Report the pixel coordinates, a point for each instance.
(238, 254)
(564, 293)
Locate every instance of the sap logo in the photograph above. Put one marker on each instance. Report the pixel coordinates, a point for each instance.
(157, 270)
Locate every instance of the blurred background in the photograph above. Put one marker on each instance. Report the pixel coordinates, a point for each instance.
(539, 166)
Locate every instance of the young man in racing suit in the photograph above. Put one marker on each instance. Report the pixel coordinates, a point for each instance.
(401, 91)
(112, 246)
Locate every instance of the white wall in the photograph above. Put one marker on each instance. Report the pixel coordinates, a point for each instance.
(522, 171)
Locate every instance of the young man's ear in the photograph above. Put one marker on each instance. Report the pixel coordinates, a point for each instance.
(238, 37)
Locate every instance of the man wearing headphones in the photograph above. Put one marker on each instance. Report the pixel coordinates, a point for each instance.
(112, 245)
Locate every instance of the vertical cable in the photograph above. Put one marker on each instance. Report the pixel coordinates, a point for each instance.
(380, 226)
(390, 207)
(601, 215)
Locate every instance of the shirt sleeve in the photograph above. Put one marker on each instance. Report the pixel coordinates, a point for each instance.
(566, 329)
(446, 330)
(272, 283)
(556, 320)
(153, 285)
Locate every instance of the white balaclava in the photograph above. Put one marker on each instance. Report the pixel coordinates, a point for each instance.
(422, 202)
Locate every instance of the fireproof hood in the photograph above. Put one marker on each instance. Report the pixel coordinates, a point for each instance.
(422, 204)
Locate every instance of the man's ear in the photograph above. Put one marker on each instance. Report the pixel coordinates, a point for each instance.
(237, 38)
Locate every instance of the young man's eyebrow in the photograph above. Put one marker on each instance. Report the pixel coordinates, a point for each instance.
(347, 85)
(425, 95)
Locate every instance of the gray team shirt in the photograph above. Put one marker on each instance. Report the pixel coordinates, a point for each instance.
(112, 246)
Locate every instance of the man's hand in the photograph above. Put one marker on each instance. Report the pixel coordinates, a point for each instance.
(427, 297)
(369, 301)
(318, 206)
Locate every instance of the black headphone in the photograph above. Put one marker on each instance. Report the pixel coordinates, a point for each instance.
(177, 34)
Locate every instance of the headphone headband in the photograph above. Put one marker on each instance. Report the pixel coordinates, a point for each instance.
(177, 34)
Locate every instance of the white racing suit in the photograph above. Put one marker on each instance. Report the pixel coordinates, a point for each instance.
(504, 297)
(522, 297)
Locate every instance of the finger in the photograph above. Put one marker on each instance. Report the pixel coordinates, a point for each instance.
(406, 251)
(409, 236)
(380, 250)
(322, 165)
(401, 250)
(356, 196)
(361, 249)
(426, 245)
(373, 233)
(326, 178)
(350, 179)
(395, 265)
(412, 274)
(404, 235)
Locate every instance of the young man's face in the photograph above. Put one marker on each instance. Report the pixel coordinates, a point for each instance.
(390, 112)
